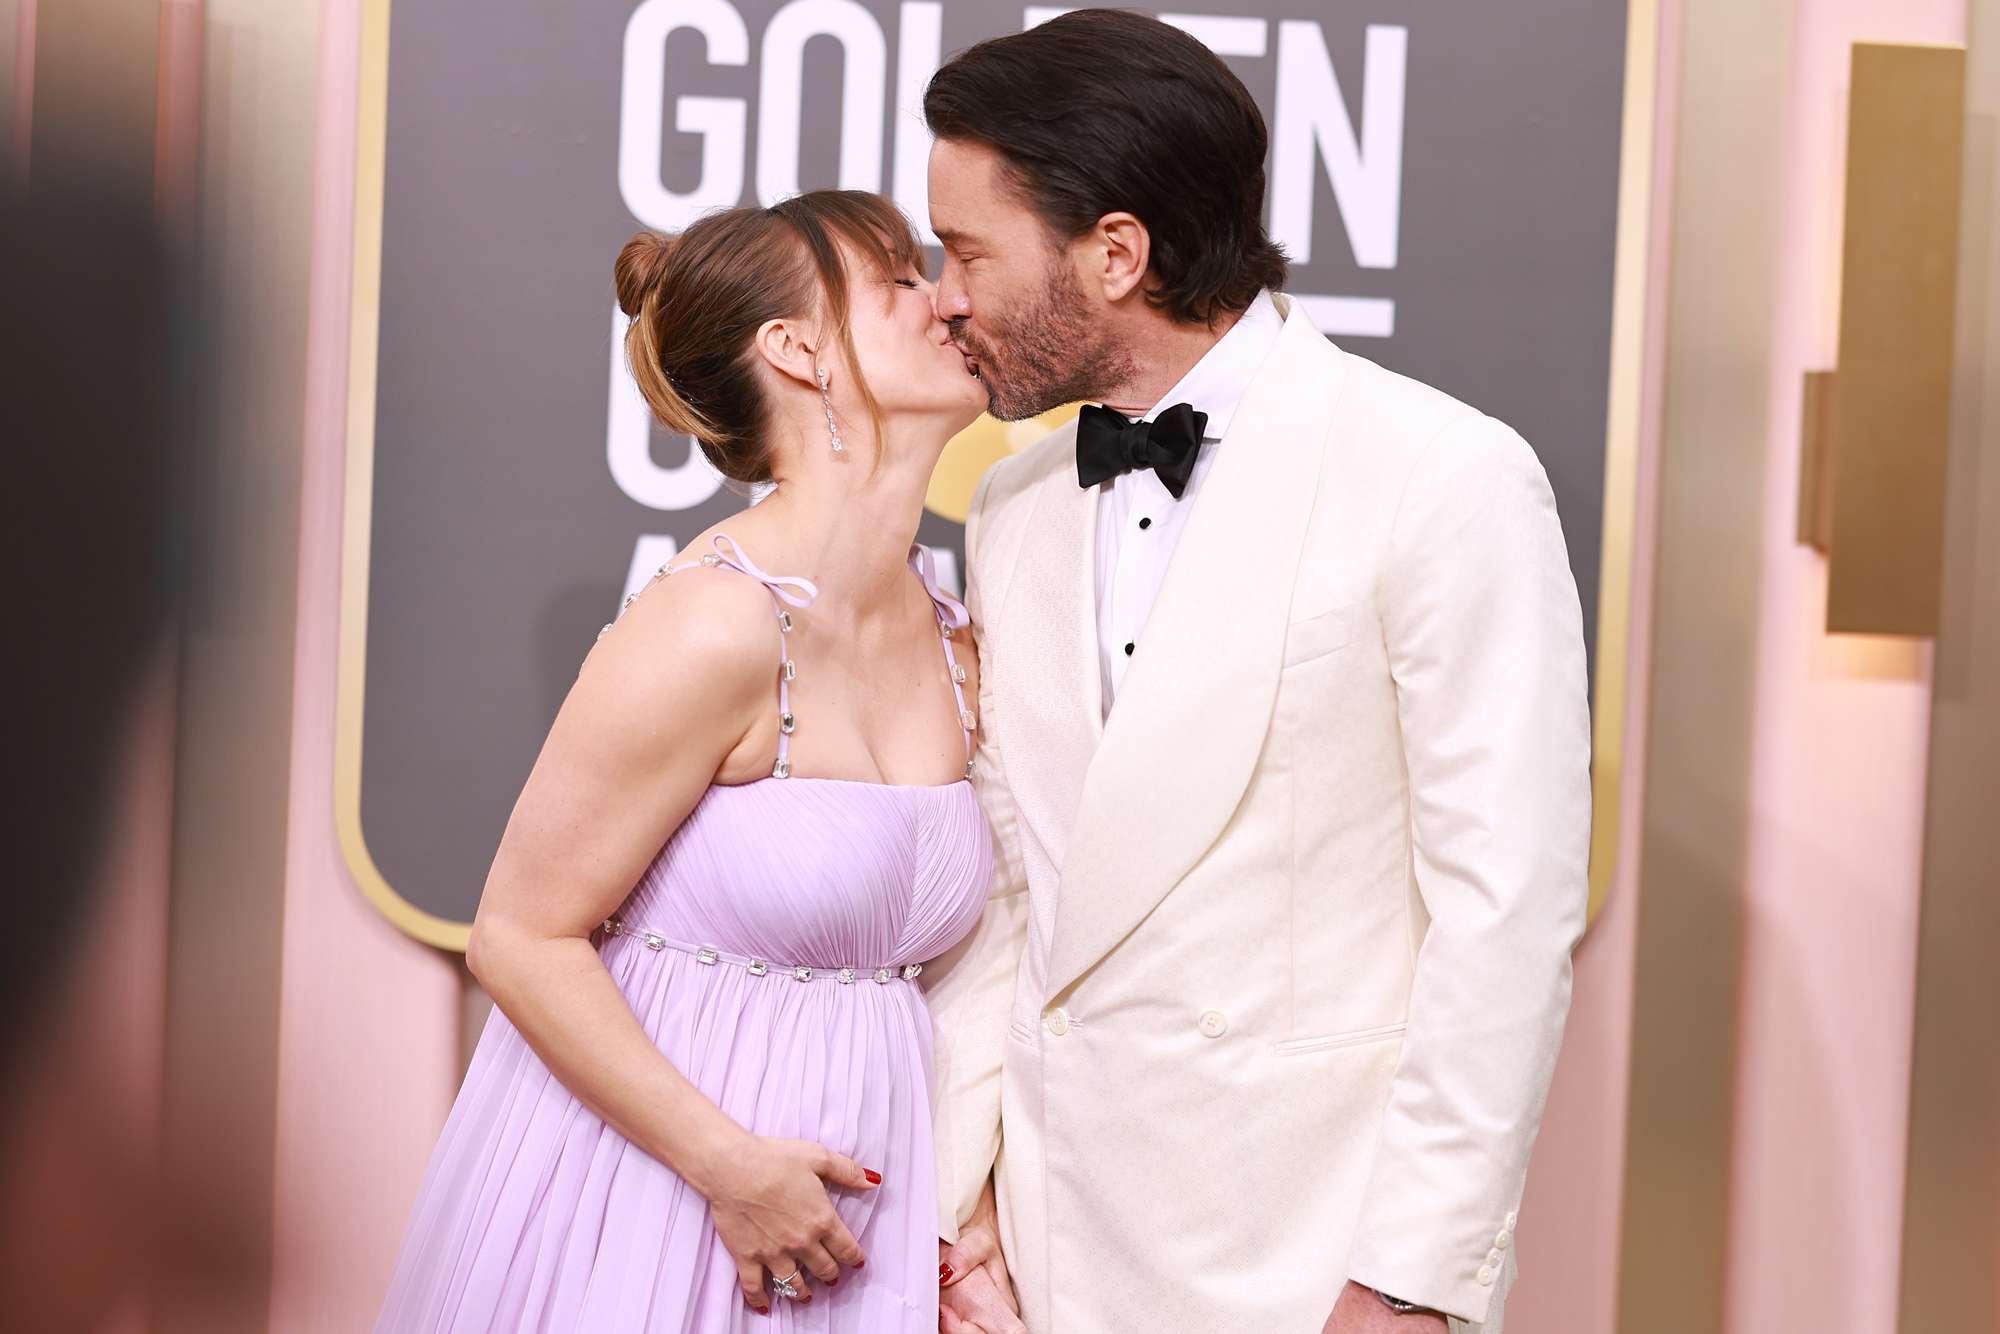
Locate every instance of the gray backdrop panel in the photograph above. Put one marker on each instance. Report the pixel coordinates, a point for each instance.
(500, 540)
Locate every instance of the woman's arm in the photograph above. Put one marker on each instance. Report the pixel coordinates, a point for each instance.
(663, 702)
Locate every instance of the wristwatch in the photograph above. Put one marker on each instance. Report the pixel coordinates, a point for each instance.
(1401, 1307)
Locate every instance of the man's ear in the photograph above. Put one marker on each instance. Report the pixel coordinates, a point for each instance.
(1126, 248)
(791, 349)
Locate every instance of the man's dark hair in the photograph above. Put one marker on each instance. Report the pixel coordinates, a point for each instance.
(1104, 110)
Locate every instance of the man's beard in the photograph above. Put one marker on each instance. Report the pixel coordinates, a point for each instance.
(1047, 354)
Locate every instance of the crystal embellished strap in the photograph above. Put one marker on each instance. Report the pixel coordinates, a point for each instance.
(952, 615)
(785, 590)
(782, 589)
(711, 956)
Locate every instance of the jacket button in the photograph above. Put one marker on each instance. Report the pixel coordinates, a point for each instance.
(1214, 1024)
(1505, 1239)
(1057, 1023)
(1486, 1277)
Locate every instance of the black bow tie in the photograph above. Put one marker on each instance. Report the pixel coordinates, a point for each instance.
(1108, 445)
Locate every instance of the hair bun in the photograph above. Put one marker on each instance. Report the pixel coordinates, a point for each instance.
(641, 267)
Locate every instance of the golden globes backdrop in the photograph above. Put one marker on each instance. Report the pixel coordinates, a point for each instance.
(1446, 179)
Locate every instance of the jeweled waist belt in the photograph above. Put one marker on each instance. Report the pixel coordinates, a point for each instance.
(709, 954)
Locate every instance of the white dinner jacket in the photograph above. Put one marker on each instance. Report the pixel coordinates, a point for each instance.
(1270, 987)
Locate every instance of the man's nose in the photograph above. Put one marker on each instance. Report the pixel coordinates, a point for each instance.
(948, 299)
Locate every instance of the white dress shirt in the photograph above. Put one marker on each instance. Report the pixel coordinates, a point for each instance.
(1138, 520)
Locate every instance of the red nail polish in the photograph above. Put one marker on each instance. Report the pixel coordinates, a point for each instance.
(859, 1263)
(830, 1282)
(944, 1273)
(874, 1178)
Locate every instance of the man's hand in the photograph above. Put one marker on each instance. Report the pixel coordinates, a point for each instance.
(1360, 1311)
(974, 1289)
(974, 1305)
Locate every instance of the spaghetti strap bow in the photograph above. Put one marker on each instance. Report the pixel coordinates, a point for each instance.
(950, 610)
(781, 586)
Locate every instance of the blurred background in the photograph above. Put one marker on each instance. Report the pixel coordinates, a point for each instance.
(325, 471)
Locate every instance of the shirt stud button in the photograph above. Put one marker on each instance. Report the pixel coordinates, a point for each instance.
(1129, 648)
(1145, 523)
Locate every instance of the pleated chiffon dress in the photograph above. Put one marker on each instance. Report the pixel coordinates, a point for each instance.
(771, 952)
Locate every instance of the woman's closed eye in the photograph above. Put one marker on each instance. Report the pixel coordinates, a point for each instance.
(910, 283)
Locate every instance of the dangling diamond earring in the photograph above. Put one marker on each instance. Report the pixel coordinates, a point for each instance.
(831, 429)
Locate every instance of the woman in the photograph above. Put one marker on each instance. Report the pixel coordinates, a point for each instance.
(704, 1093)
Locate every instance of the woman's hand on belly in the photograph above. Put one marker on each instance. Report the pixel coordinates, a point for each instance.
(773, 1212)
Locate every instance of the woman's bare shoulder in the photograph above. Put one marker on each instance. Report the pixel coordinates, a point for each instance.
(700, 633)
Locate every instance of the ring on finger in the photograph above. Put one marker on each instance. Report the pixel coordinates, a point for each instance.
(784, 1286)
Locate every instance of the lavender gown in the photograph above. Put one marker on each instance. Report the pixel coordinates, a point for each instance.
(770, 952)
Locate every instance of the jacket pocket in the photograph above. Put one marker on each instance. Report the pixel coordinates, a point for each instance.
(1334, 1041)
(1318, 636)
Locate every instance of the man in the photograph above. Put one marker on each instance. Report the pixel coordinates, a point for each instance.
(1284, 742)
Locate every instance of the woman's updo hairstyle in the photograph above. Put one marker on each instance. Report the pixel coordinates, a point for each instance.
(696, 300)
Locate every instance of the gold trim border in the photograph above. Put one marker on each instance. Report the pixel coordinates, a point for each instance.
(1623, 427)
(364, 327)
(1630, 272)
